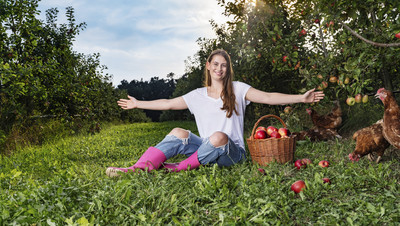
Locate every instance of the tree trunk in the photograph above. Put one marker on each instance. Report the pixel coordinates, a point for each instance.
(387, 81)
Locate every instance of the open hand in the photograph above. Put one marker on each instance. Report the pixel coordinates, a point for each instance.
(129, 103)
(311, 96)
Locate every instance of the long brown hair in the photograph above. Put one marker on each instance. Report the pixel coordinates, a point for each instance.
(228, 96)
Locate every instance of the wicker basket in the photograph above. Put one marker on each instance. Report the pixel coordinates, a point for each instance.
(264, 151)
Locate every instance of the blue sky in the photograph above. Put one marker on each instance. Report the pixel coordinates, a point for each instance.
(140, 38)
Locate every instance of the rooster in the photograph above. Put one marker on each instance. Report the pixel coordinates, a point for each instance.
(391, 117)
(329, 121)
(369, 140)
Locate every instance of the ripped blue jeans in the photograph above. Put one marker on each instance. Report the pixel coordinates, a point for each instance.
(225, 155)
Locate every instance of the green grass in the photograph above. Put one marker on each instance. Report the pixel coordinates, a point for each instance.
(65, 183)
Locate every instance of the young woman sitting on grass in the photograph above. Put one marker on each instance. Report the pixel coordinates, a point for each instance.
(219, 109)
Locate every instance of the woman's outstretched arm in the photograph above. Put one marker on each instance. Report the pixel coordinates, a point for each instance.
(258, 96)
(161, 104)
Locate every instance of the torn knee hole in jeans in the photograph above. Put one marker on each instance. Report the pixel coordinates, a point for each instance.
(184, 140)
(224, 147)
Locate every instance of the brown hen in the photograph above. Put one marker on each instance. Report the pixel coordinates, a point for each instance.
(369, 140)
(329, 121)
(391, 117)
(317, 134)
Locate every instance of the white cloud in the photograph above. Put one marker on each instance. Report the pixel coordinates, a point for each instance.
(141, 39)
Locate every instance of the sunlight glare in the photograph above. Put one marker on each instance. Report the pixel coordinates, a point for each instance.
(253, 2)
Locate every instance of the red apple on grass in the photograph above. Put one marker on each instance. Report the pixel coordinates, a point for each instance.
(271, 129)
(299, 164)
(306, 161)
(354, 157)
(323, 163)
(326, 180)
(298, 186)
(284, 132)
(261, 134)
(261, 170)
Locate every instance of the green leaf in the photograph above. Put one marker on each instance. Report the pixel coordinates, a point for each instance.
(51, 223)
(371, 208)
(141, 217)
(82, 221)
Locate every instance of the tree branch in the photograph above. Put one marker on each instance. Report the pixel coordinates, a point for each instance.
(369, 41)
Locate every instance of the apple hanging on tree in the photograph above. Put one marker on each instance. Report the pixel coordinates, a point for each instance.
(333, 79)
(358, 98)
(287, 109)
(397, 35)
(350, 101)
(365, 98)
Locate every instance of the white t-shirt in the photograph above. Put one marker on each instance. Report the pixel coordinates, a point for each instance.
(209, 116)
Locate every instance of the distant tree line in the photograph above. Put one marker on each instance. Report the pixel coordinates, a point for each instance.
(153, 89)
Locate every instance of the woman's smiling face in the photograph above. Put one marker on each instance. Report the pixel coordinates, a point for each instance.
(217, 67)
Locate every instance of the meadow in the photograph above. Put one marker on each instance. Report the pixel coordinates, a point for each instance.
(64, 183)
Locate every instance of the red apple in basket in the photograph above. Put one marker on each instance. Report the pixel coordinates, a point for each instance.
(271, 129)
(275, 134)
(261, 128)
(284, 132)
(298, 186)
(260, 134)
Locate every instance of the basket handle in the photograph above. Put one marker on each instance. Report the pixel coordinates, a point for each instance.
(263, 117)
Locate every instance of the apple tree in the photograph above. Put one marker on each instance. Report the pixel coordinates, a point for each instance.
(339, 46)
(266, 45)
(41, 76)
(354, 44)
